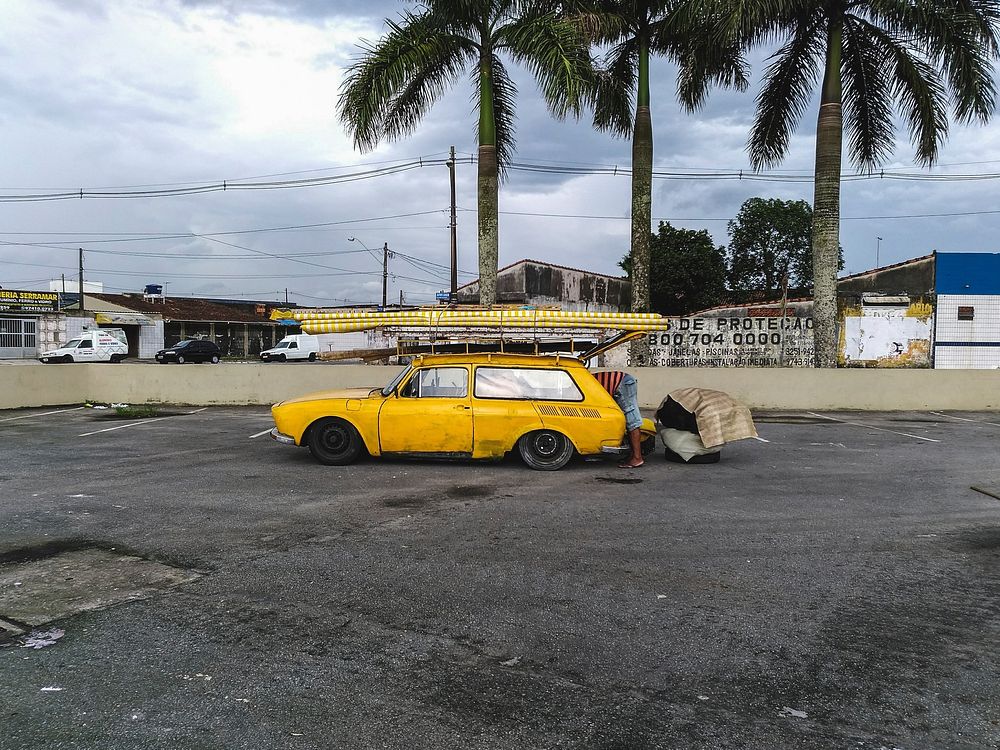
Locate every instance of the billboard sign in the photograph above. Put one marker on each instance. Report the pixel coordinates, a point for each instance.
(23, 301)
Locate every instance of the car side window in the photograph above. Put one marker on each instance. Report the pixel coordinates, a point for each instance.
(438, 382)
(86, 344)
(526, 383)
(293, 345)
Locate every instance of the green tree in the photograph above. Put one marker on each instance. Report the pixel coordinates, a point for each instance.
(874, 57)
(768, 238)
(687, 33)
(687, 272)
(395, 82)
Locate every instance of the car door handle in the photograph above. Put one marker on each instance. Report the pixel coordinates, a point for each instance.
(462, 407)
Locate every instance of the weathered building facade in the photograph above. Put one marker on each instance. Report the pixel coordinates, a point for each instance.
(531, 282)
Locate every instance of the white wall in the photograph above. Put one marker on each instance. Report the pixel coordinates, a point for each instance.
(983, 330)
(29, 384)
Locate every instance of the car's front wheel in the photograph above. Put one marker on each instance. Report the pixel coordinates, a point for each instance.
(180, 359)
(68, 358)
(334, 442)
(545, 450)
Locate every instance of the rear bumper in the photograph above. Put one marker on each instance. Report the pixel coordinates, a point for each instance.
(615, 450)
(282, 437)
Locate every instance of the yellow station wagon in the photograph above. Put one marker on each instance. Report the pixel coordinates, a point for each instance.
(462, 406)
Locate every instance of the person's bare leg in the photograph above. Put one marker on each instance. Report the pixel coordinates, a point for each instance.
(635, 460)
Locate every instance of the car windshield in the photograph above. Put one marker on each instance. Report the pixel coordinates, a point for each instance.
(180, 344)
(71, 344)
(397, 380)
(281, 345)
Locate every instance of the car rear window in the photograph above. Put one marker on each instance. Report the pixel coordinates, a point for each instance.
(526, 383)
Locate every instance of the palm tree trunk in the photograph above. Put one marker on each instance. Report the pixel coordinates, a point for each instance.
(826, 204)
(642, 199)
(488, 185)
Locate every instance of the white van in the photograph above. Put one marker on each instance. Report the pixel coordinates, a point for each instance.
(97, 345)
(296, 346)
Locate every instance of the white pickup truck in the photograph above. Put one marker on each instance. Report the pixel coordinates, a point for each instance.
(96, 345)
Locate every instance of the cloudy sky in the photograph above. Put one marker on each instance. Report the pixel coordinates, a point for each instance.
(128, 95)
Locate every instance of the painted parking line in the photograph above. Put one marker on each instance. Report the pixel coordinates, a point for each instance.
(964, 419)
(872, 427)
(262, 432)
(758, 437)
(123, 426)
(141, 421)
(43, 414)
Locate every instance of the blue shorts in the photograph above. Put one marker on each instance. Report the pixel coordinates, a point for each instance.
(627, 398)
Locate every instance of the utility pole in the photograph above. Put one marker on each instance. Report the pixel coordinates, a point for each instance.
(878, 246)
(286, 296)
(81, 280)
(454, 228)
(385, 272)
(401, 298)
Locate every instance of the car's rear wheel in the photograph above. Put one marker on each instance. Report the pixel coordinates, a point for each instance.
(215, 359)
(312, 356)
(334, 442)
(545, 450)
(116, 358)
(180, 359)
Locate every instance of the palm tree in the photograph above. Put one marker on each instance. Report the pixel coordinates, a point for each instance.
(876, 57)
(396, 81)
(687, 33)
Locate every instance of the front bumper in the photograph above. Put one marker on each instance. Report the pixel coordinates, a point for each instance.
(281, 437)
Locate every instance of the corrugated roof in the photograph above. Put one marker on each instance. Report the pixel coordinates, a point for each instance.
(178, 308)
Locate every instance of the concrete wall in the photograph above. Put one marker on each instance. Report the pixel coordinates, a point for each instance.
(761, 388)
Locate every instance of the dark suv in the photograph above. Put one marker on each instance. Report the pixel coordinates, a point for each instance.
(189, 350)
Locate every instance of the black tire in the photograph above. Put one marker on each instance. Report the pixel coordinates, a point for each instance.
(312, 356)
(545, 450)
(180, 359)
(68, 358)
(282, 358)
(215, 359)
(648, 445)
(334, 442)
(116, 358)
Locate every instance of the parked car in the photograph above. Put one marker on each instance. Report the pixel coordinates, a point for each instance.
(190, 350)
(97, 345)
(463, 406)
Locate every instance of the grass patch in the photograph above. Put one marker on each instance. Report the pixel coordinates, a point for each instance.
(136, 412)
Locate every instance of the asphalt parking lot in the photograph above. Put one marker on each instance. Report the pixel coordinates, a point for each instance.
(833, 585)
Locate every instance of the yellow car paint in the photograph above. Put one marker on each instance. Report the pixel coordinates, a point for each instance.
(459, 423)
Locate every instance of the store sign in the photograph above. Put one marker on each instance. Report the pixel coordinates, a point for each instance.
(22, 301)
(731, 342)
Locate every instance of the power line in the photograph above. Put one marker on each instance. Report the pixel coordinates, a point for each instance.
(702, 218)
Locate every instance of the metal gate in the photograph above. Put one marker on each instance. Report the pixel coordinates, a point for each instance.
(17, 338)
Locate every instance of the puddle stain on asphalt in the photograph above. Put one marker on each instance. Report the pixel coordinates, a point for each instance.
(457, 492)
(619, 480)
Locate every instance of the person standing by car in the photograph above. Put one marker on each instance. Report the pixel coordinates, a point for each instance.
(625, 391)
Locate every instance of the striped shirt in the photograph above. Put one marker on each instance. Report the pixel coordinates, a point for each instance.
(610, 379)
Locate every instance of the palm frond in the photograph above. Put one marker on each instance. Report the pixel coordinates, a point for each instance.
(704, 56)
(866, 96)
(614, 93)
(919, 90)
(395, 81)
(788, 83)
(556, 53)
(961, 37)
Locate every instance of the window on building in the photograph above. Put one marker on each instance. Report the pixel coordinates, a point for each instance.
(966, 312)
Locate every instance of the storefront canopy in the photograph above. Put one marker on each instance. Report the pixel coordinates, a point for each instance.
(123, 319)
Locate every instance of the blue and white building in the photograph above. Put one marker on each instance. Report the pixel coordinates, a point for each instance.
(967, 320)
